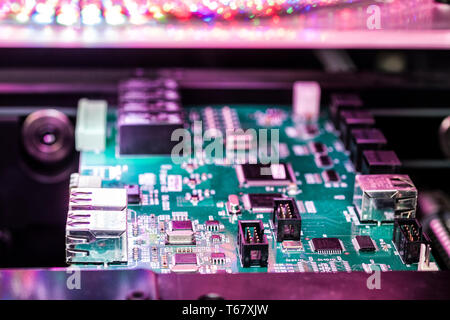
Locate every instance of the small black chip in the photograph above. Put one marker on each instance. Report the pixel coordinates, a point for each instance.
(260, 202)
(318, 147)
(330, 176)
(324, 161)
(364, 244)
(312, 129)
(326, 245)
(133, 193)
(275, 174)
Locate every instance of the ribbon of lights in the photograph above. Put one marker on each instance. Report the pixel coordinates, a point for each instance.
(141, 12)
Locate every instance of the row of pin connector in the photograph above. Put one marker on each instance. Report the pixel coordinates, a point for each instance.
(286, 219)
(148, 108)
(252, 243)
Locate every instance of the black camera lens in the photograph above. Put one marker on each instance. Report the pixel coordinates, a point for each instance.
(48, 136)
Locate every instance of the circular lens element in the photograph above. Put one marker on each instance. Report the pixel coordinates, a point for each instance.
(48, 136)
(444, 136)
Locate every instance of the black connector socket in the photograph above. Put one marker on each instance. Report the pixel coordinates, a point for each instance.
(365, 139)
(354, 119)
(286, 219)
(408, 238)
(252, 243)
(380, 162)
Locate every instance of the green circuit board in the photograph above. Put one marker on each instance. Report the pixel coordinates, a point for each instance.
(198, 190)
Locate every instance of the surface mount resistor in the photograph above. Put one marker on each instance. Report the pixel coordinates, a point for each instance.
(135, 229)
(164, 263)
(136, 253)
(154, 254)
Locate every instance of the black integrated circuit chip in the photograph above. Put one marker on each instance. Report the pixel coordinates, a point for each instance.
(260, 202)
(318, 147)
(364, 244)
(324, 161)
(133, 193)
(326, 245)
(330, 176)
(275, 174)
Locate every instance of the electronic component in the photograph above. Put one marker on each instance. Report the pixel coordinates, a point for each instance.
(384, 197)
(364, 244)
(260, 202)
(330, 176)
(82, 181)
(181, 225)
(158, 106)
(408, 239)
(185, 262)
(218, 258)
(252, 243)
(90, 130)
(272, 117)
(152, 100)
(307, 131)
(353, 119)
(180, 233)
(380, 161)
(233, 206)
(240, 140)
(365, 139)
(96, 226)
(292, 245)
(137, 132)
(306, 100)
(145, 84)
(133, 193)
(286, 219)
(324, 161)
(96, 236)
(212, 225)
(425, 263)
(340, 102)
(91, 224)
(148, 108)
(326, 245)
(98, 199)
(318, 148)
(183, 208)
(275, 174)
(152, 93)
(185, 258)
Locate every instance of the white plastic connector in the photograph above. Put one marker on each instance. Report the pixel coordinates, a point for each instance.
(424, 259)
(306, 100)
(90, 131)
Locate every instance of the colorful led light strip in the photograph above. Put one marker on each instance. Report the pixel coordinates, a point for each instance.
(140, 12)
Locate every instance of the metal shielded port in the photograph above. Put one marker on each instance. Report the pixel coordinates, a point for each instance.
(98, 199)
(286, 219)
(384, 197)
(252, 243)
(96, 237)
(408, 239)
